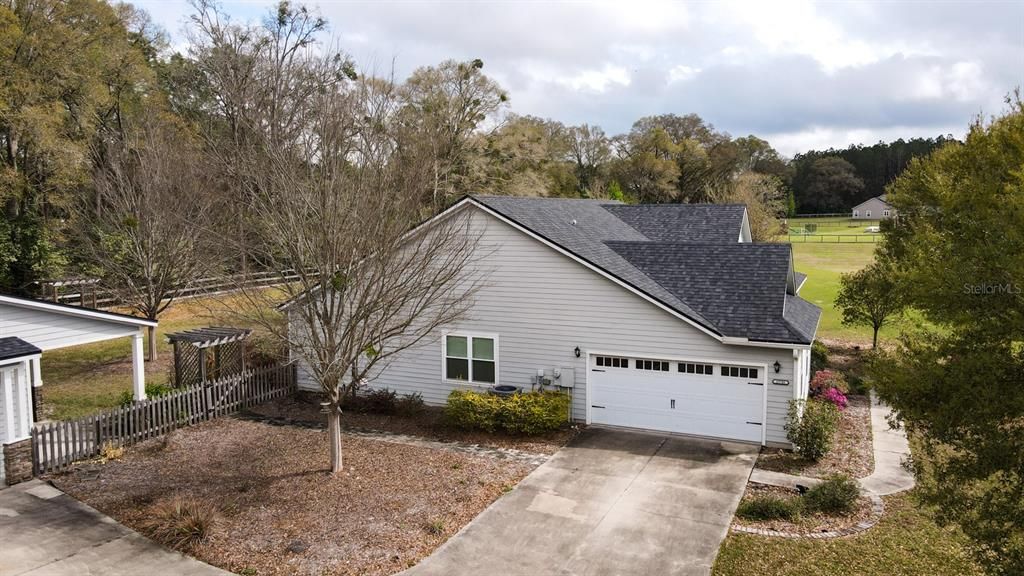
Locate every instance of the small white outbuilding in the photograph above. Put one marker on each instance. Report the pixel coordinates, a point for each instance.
(50, 326)
(16, 358)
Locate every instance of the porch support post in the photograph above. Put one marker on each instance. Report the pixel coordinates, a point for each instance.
(24, 404)
(138, 368)
(7, 390)
(37, 373)
(37, 390)
(797, 373)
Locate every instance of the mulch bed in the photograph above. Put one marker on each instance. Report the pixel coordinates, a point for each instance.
(808, 523)
(429, 424)
(279, 511)
(851, 454)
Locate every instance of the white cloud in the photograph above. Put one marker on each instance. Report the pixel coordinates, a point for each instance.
(822, 138)
(806, 73)
(681, 73)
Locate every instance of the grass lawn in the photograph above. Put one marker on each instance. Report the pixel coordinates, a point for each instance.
(84, 379)
(824, 263)
(905, 542)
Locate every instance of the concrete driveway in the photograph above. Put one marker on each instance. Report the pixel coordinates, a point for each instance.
(46, 532)
(612, 502)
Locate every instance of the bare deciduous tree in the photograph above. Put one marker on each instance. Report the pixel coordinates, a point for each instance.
(332, 174)
(765, 199)
(152, 194)
(444, 106)
(339, 209)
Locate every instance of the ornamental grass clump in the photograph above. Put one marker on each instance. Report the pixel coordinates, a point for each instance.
(180, 523)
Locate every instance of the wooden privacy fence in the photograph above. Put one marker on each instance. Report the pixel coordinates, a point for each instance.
(55, 445)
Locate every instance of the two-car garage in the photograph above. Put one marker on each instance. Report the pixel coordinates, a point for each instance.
(704, 398)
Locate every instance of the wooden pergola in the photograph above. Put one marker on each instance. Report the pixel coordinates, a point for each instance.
(208, 353)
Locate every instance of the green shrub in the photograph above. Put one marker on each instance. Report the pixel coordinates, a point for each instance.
(379, 401)
(472, 411)
(770, 508)
(534, 413)
(819, 356)
(813, 432)
(857, 384)
(410, 405)
(824, 380)
(528, 413)
(152, 391)
(837, 494)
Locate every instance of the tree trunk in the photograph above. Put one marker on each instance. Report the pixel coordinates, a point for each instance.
(334, 433)
(874, 338)
(151, 344)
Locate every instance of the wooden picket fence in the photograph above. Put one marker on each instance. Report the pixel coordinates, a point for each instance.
(56, 445)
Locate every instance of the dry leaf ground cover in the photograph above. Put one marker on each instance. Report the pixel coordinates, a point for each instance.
(277, 509)
(851, 454)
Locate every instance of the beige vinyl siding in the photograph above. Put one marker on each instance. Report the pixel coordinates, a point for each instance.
(543, 304)
(50, 330)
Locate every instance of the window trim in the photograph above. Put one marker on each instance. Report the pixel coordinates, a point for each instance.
(885, 213)
(469, 336)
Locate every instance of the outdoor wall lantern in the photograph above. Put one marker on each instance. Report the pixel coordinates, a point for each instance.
(777, 366)
(577, 351)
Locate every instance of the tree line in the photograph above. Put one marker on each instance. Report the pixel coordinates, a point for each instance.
(91, 92)
(955, 258)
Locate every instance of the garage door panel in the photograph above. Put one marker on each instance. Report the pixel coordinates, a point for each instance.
(705, 404)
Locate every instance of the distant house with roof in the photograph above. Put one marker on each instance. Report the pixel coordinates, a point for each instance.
(874, 209)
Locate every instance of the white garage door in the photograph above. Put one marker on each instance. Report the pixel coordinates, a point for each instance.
(700, 398)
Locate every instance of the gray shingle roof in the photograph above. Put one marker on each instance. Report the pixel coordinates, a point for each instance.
(799, 278)
(553, 219)
(802, 316)
(740, 288)
(685, 256)
(14, 347)
(702, 223)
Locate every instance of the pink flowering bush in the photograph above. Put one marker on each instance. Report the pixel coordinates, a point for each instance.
(835, 396)
(825, 380)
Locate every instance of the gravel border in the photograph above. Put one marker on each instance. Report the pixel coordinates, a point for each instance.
(877, 509)
(530, 458)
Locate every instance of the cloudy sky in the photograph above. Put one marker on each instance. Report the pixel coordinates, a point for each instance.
(800, 74)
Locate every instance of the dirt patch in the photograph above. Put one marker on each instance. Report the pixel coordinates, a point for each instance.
(279, 511)
(429, 424)
(847, 357)
(807, 523)
(851, 454)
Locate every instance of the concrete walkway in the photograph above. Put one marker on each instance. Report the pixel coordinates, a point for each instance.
(611, 502)
(890, 450)
(44, 532)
